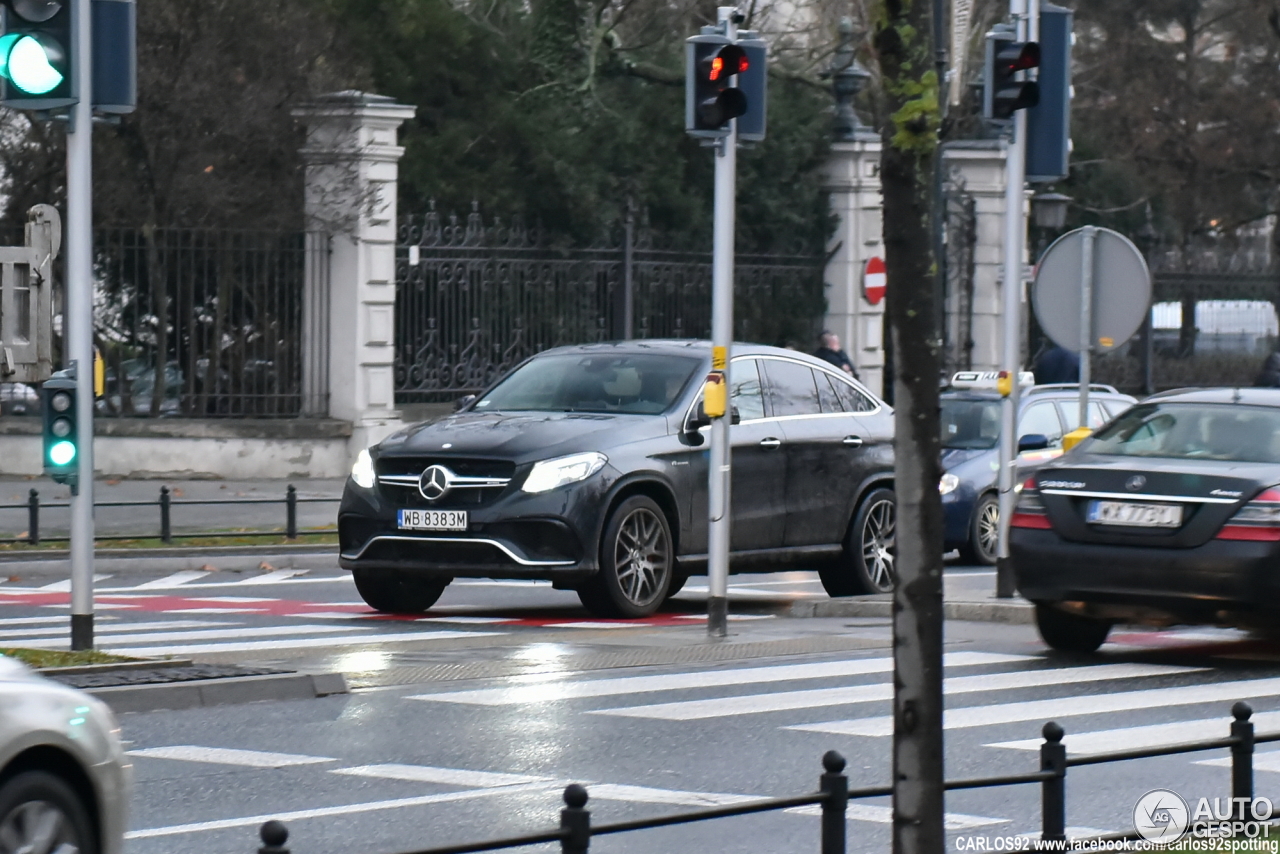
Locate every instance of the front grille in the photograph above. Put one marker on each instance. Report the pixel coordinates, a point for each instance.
(399, 480)
(465, 466)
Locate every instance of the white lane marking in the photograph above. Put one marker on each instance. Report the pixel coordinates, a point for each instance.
(232, 600)
(215, 611)
(547, 689)
(297, 643)
(175, 580)
(1268, 761)
(271, 577)
(64, 586)
(30, 621)
(229, 756)
(345, 809)
(214, 634)
(462, 620)
(1138, 737)
(731, 617)
(97, 606)
(588, 624)
(444, 776)
(1062, 707)
(732, 591)
(884, 815)
(750, 704)
(208, 585)
(117, 627)
(646, 795)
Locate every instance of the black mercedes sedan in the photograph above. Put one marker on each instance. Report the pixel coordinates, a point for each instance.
(1169, 514)
(587, 466)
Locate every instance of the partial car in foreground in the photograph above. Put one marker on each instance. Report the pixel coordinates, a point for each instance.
(587, 466)
(1169, 514)
(64, 778)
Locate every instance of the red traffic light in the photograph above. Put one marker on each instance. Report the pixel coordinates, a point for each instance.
(728, 61)
(1018, 56)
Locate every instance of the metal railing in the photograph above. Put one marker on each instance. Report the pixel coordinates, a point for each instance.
(576, 831)
(166, 502)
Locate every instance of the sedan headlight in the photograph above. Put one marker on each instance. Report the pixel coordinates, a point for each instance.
(948, 484)
(362, 472)
(549, 474)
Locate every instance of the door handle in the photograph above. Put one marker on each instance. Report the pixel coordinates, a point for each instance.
(852, 441)
(770, 443)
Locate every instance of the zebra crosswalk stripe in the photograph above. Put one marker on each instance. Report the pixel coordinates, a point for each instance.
(1139, 737)
(297, 643)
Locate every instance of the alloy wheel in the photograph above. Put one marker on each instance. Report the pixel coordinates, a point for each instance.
(642, 556)
(37, 827)
(989, 529)
(877, 544)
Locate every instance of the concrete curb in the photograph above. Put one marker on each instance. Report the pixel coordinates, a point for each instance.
(199, 693)
(1017, 611)
(112, 666)
(148, 562)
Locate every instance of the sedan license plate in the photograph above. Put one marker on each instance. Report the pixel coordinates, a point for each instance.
(1135, 515)
(432, 520)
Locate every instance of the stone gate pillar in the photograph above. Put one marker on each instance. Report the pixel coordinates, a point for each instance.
(352, 165)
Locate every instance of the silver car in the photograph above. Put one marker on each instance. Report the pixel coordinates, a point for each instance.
(64, 778)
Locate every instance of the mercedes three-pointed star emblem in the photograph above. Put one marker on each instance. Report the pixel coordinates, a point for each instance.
(435, 482)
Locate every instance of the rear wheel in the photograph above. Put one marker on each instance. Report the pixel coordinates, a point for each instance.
(41, 814)
(397, 592)
(867, 563)
(984, 532)
(637, 562)
(1070, 632)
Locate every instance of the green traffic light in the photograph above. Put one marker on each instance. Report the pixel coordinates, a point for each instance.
(62, 453)
(28, 62)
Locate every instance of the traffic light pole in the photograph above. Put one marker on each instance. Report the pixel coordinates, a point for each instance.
(1015, 232)
(78, 324)
(718, 486)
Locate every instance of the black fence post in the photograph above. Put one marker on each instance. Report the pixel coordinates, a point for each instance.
(273, 835)
(1242, 756)
(1053, 791)
(166, 531)
(291, 513)
(836, 787)
(33, 518)
(575, 821)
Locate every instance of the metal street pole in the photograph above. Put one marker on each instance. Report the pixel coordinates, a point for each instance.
(718, 486)
(1086, 320)
(78, 322)
(1015, 232)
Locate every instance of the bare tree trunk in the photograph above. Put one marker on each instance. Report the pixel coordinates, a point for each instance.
(904, 47)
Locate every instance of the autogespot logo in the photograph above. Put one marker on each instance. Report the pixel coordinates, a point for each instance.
(1161, 815)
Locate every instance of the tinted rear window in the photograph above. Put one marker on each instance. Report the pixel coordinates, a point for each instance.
(1193, 431)
(643, 384)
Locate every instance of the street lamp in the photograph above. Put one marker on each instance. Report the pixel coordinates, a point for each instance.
(1049, 210)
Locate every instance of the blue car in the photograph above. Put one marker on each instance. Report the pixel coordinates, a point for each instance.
(971, 448)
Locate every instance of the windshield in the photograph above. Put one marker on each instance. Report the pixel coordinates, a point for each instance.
(970, 424)
(1193, 431)
(643, 384)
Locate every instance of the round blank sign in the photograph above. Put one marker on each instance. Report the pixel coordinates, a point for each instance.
(1121, 290)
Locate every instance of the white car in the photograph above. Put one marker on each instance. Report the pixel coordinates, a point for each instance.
(64, 777)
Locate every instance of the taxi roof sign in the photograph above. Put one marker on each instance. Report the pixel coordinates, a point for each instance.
(986, 380)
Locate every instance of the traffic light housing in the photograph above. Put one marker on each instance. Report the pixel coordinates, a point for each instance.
(37, 55)
(58, 411)
(1049, 122)
(1002, 93)
(710, 102)
(754, 85)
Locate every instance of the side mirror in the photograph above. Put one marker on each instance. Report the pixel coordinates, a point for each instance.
(734, 416)
(697, 419)
(1032, 442)
(463, 402)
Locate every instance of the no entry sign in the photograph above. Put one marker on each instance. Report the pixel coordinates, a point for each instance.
(873, 279)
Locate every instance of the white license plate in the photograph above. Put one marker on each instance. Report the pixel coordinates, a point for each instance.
(1135, 515)
(432, 520)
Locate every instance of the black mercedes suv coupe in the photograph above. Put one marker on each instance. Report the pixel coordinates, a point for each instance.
(587, 466)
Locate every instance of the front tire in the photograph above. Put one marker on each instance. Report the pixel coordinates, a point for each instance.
(984, 533)
(40, 813)
(1070, 632)
(637, 562)
(396, 592)
(867, 563)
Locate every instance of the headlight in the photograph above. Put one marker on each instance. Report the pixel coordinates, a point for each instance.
(362, 472)
(549, 474)
(948, 484)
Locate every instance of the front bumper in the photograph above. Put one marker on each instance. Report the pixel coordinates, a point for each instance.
(551, 535)
(1203, 584)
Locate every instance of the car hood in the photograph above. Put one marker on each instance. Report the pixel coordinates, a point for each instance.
(522, 436)
(955, 457)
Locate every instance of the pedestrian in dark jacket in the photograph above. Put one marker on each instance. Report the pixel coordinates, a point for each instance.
(829, 351)
(1057, 365)
(1269, 376)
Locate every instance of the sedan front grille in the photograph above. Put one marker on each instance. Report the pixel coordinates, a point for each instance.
(444, 482)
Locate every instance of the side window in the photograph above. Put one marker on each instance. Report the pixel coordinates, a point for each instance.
(744, 391)
(1070, 412)
(851, 399)
(792, 390)
(827, 396)
(1042, 418)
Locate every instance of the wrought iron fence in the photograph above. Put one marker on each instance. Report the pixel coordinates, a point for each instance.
(833, 795)
(212, 324)
(473, 299)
